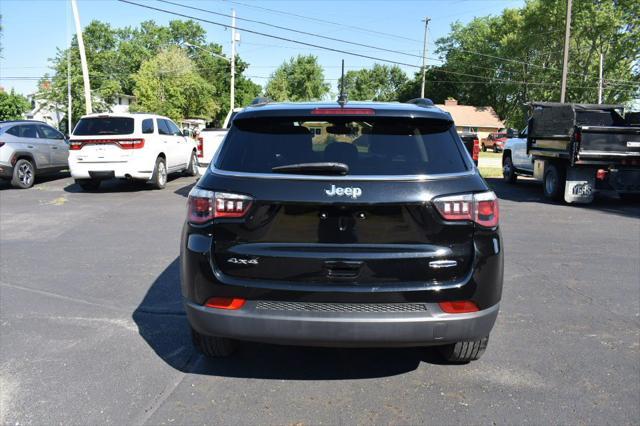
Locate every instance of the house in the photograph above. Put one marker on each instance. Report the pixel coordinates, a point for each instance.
(481, 120)
(51, 113)
(121, 103)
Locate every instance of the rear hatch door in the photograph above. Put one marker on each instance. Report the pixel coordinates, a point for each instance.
(103, 139)
(372, 227)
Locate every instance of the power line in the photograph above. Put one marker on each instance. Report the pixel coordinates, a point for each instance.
(282, 12)
(268, 35)
(351, 53)
(292, 30)
(327, 37)
(297, 41)
(412, 39)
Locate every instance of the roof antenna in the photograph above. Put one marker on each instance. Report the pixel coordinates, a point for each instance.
(342, 99)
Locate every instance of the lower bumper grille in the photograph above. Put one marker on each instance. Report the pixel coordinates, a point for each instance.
(340, 307)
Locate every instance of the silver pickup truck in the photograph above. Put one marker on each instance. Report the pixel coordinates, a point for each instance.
(210, 140)
(515, 159)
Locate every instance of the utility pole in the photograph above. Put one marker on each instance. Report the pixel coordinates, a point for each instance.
(565, 61)
(233, 60)
(526, 81)
(69, 109)
(600, 80)
(83, 59)
(424, 55)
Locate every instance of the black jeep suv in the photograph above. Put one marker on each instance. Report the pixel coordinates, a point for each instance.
(364, 225)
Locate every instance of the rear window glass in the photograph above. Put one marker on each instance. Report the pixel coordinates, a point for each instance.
(371, 146)
(104, 126)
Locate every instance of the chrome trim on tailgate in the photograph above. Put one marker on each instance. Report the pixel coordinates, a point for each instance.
(607, 153)
(286, 176)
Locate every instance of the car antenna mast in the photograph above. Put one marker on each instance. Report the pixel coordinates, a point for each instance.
(342, 99)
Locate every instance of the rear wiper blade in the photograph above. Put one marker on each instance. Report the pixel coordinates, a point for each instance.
(314, 168)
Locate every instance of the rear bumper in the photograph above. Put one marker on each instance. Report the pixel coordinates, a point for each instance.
(121, 169)
(341, 329)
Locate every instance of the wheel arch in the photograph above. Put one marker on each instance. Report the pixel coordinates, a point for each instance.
(20, 155)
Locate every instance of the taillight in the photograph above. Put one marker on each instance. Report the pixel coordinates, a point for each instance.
(200, 147)
(131, 143)
(206, 205)
(75, 145)
(577, 136)
(481, 208)
(343, 111)
(476, 149)
(601, 174)
(458, 307)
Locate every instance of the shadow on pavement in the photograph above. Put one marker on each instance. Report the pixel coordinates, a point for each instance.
(529, 190)
(163, 324)
(184, 191)
(119, 185)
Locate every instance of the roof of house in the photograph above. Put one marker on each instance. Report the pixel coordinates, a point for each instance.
(472, 116)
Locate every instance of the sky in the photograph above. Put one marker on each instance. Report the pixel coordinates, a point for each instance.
(34, 29)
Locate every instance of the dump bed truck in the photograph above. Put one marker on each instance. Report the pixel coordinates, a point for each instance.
(579, 149)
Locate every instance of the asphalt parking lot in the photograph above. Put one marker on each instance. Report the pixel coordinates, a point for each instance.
(93, 332)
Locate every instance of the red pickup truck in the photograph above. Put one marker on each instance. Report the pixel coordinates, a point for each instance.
(495, 141)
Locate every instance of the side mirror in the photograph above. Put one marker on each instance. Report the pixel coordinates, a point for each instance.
(186, 133)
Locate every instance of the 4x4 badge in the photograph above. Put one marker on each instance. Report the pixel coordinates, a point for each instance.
(353, 192)
(238, 261)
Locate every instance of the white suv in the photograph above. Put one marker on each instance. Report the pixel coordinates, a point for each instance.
(130, 146)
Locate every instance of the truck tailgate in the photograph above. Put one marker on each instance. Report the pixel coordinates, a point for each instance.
(599, 143)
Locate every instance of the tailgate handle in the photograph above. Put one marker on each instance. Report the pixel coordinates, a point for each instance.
(439, 264)
(342, 268)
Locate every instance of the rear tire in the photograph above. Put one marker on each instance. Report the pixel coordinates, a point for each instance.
(159, 176)
(212, 346)
(463, 352)
(88, 184)
(192, 169)
(508, 172)
(495, 148)
(484, 148)
(24, 174)
(553, 182)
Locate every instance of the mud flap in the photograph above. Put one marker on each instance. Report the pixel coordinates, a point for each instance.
(538, 169)
(580, 185)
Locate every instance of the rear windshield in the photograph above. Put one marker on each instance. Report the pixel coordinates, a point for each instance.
(104, 126)
(380, 146)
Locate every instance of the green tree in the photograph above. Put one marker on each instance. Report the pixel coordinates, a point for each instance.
(516, 57)
(300, 79)
(380, 83)
(169, 84)
(115, 55)
(436, 89)
(12, 105)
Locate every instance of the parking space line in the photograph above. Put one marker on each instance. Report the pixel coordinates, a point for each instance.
(60, 296)
(148, 412)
